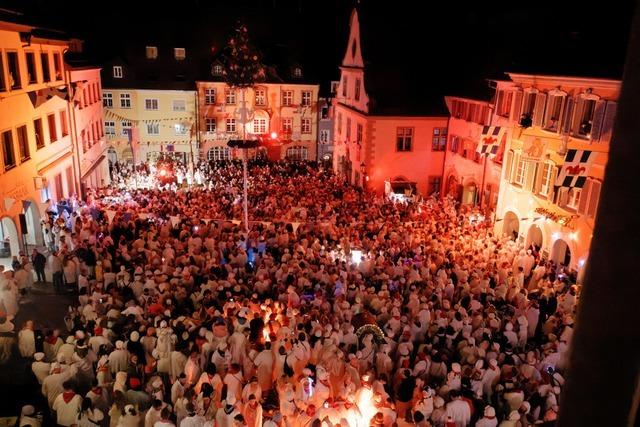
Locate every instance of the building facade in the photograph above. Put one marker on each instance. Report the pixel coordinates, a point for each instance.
(325, 131)
(286, 109)
(471, 175)
(378, 147)
(87, 127)
(37, 152)
(556, 152)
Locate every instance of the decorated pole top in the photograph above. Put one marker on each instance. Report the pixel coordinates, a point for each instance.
(242, 66)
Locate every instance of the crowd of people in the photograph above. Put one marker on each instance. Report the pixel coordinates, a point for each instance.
(337, 307)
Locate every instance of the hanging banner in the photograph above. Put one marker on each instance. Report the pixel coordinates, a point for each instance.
(110, 215)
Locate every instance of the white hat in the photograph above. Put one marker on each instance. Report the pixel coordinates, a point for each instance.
(38, 356)
(70, 339)
(135, 336)
(119, 345)
(489, 411)
(129, 409)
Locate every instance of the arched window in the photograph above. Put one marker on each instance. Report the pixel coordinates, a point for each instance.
(297, 153)
(218, 153)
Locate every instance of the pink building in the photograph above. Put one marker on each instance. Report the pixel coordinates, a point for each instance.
(387, 134)
(472, 176)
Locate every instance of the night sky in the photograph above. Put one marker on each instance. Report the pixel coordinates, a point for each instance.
(458, 45)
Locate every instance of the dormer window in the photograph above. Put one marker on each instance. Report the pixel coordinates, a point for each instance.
(216, 70)
(297, 72)
(117, 72)
(152, 52)
(179, 53)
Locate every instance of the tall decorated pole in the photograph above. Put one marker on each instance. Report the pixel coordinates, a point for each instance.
(242, 71)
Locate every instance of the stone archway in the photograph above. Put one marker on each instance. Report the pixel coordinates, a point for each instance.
(34, 230)
(534, 236)
(469, 194)
(561, 253)
(9, 238)
(511, 225)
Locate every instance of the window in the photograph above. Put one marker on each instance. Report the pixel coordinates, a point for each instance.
(553, 112)
(217, 70)
(14, 70)
(2, 80)
(117, 72)
(589, 197)
(297, 153)
(297, 72)
(70, 186)
(150, 104)
(179, 105)
(231, 125)
(53, 133)
(210, 124)
(359, 131)
(107, 100)
(324, 112)
(23, 143)
(8, 154)
(209, 96)
(439, 141)
(31, 67)
(64, 125)
(585, 112)
(433, 187)
(324, 136)
(126, 127)
(503, 103)
(454, 145)
(545, 179)
(46, 72)
(153, 129)
(519, 175)
(179, 53)
(404, 139)
(261, 97)
(181, 129)
(345, 81)
(230, 96)
(339, 124)
(287, 98)
(306, 126)
(152, 52)
(37, 126)
(529, 103)
(57, 65)
(259, 126)
(125, 100)
(334, 87)
(357, 89)
(569, 197)
(306, 98)
(287, 125)
(348, 130)
(218, 153)
(110, 128)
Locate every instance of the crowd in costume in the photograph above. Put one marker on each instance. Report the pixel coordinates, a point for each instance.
(365, 313)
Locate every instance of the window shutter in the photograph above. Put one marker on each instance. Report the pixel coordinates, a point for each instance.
(584, 196)
(516, 108)
(594, 198)
(508, 164)
(552, 182)
(575, 127)
(538, 109)
(538, 181)
(607, 122)
(598, 117)
(563, 196)
(567, 118)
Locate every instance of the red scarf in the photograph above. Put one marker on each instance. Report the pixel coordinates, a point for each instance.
(67, 396)
(52, 340)
(97, 390)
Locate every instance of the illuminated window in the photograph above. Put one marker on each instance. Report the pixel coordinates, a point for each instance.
(231, 125)
(230, 96)
(23, 143)
(31, 67)
(297, 153)
(518, 177)
(14, 70)
(37, 127)
(217, 70)
(125, 100)
(126, 127)
(110, 128)
(297, 72)
(179, 53)
(181, 129)
(260, 126)
(117, 72)
(152, 52)
(8, 153)
(209, 96)
(404, 139)
(306, 126)
(555, 103)
(210, 124)
(53, 133)
(503, 103)
(218, 154)
(64, 126)
(57, 65)
(150, 104)
(287, 125)
(439, 141)
(46, 71)
(107, 100)
(287, 98)
(573, 197)
(261, 97)
(545, 179)
(306, 98)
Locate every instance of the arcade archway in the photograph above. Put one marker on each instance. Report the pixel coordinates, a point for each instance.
(534, 237)
(9, 240)
(511, 225)
(561, 253)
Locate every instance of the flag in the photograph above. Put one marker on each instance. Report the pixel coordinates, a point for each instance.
(490, 140)
(575, 169)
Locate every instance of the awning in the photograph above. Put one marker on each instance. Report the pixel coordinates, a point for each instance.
(93, 166)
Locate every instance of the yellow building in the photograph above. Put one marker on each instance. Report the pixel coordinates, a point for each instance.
(37, 162)
(557, 148)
